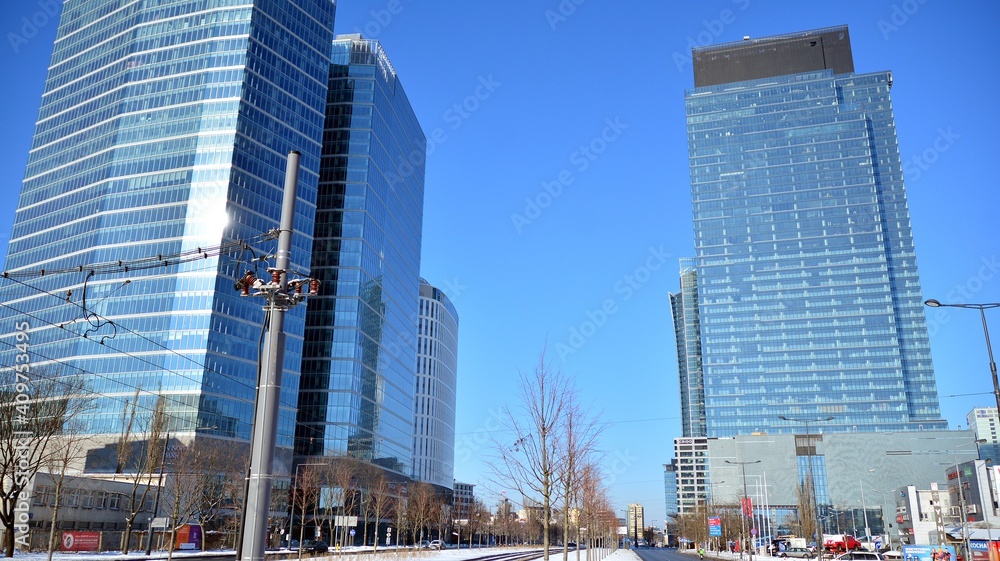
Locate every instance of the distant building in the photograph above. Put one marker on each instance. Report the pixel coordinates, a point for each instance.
(462, 501)
(636, 522)
(855, 474)
(922, 516)
(983, 420)
(87, 503)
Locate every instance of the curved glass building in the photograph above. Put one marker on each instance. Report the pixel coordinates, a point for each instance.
(435, 389)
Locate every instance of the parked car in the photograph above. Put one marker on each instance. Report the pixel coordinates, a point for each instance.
(436, 544)
(799, 552)
(840, 542)
(860, 556)
(315, 546)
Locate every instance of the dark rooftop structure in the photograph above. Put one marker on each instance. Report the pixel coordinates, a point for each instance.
(778, 55)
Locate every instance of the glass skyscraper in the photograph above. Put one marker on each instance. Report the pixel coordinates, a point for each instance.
(808, 301)
(356, 394)
(162, 135)
(435, 389)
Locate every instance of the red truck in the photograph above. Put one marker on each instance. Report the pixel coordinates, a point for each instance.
(839, 543)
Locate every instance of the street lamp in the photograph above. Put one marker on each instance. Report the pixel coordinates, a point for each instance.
(743, 505)
(864, 508)
(812, 482)
(989, 349)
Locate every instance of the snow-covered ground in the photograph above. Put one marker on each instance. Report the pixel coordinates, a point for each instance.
(357, 554)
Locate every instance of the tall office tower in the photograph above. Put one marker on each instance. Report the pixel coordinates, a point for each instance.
(684, 307)
(435, 388)
(808, 299)
(162, 135)
(356, 394)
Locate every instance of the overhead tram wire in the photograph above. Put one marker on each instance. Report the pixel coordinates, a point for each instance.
(112, 380)
(126, 329)
(240, 244)
(145, 263)
(103, 342)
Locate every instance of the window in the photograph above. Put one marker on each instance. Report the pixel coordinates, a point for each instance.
(102, 499)
(72, 498)
(41, 495)
(86, 499)
(113, 501)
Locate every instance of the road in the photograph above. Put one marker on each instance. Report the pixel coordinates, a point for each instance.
(670, 554)
(665, 554)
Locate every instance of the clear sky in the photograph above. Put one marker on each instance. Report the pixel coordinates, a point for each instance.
(587, 97)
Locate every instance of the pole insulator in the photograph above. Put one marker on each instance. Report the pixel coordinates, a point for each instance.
(314, 287)
(275, 277)
(298, 287)
(244, 284)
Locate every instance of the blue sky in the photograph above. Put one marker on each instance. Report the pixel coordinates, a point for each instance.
(557, 184)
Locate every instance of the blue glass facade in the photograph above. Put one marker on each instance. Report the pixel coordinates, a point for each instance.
(356, 395)
(164, 129)
(808, 298)
(435, 389)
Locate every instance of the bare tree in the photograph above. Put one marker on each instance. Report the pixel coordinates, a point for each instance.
(577, 449)
(530, 464)
(71, 449)
(194, 488)
(419, 507)
(234, 492)
(308, 480)
(380, 500)
(137, 459)
(33, 411)
(478, 516)
(342, 477)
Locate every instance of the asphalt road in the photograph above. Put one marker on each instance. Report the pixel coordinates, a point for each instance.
(665, 554)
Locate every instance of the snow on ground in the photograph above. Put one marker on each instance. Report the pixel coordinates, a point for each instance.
(356, 554)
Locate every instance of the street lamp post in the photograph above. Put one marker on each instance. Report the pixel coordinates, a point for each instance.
(864, 508)
(989, 349)
(743, 506)
(812, 482)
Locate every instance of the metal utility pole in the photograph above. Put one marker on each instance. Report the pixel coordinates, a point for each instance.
(743, 507)
(280, 294)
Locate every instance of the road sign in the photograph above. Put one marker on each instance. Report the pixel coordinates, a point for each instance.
(352, 532)
(753, 531)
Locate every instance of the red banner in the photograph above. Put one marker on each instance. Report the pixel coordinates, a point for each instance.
(747, 506)
(81, 541)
